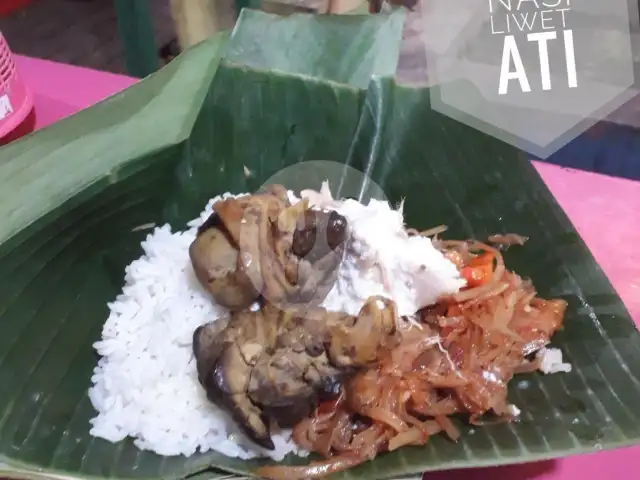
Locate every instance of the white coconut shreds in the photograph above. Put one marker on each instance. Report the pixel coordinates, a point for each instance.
(382, 259)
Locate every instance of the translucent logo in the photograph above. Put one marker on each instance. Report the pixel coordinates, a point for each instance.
(290, 254)
(534, 73)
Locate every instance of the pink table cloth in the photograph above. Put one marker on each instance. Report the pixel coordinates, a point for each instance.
(604, 210)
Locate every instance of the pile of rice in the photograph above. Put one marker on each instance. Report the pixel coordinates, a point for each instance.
(145, 385)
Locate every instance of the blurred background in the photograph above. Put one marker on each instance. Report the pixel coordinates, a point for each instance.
(133, 37)
(136, 37)
(85, 32)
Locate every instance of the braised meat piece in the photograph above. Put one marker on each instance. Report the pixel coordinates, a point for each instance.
(277, 365)
(262, 246)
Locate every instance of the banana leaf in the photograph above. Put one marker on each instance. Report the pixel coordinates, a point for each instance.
(274, 93)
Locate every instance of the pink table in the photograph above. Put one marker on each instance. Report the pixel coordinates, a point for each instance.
(603, 209)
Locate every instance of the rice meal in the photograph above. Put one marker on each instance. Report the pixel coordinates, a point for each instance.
(463, 325)
(147, 366)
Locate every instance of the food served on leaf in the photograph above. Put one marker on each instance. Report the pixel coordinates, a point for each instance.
(275, 365)
(325, 316)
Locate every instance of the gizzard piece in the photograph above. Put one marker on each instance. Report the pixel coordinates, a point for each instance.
(263, 246)
(278, 365)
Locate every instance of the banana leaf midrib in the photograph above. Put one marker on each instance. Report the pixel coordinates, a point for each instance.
(306, 77)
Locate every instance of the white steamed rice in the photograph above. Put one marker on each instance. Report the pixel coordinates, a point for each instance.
(145, 385)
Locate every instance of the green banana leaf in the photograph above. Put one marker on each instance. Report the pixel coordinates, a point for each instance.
(276, 92)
